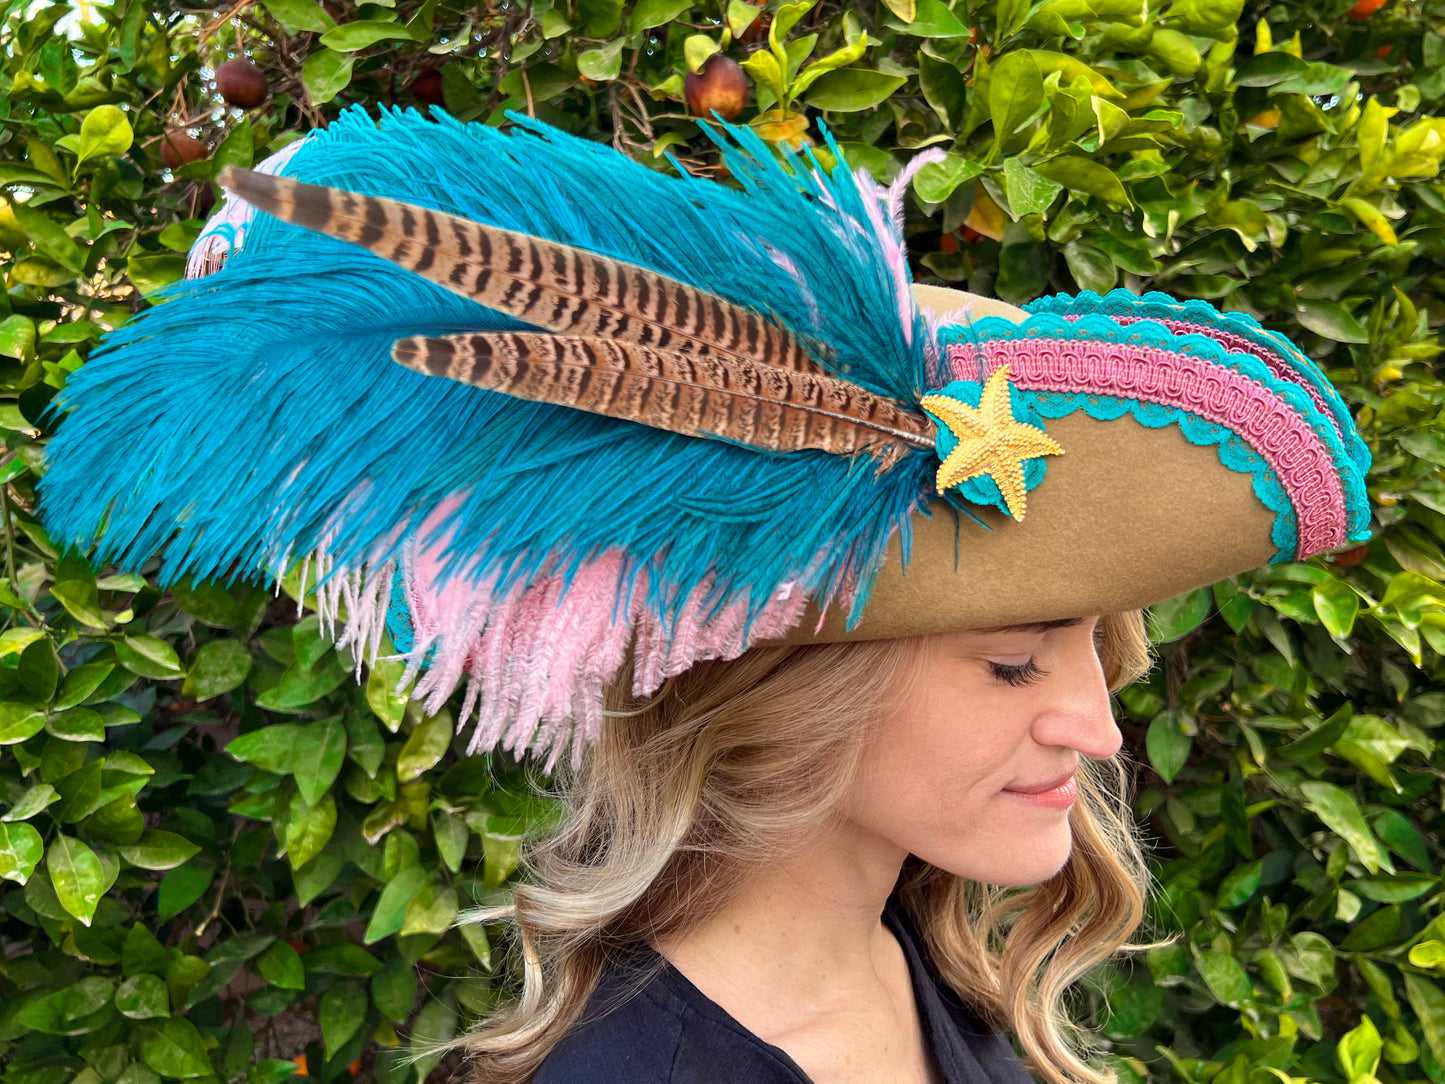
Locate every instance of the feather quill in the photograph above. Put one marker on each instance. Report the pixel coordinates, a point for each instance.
(758, 405)
(550, 285)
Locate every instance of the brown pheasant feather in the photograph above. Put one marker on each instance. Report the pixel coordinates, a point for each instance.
(760, 405)
(546, 284)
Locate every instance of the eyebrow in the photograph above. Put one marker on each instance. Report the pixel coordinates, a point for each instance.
(1038, 626)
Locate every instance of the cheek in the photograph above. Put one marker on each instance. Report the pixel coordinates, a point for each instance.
(931, 782)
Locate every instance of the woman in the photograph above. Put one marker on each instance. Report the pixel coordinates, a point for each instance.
(841, 551)
(752, 823)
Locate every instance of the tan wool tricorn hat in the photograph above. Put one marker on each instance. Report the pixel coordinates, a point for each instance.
(518, 439)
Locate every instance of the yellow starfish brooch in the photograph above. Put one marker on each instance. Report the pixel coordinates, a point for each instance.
(990, 441)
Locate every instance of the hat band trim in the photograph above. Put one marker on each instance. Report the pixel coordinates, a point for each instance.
(1237, 331)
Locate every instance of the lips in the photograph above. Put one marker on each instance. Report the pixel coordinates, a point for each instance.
(1058, 794)
(1040, 788)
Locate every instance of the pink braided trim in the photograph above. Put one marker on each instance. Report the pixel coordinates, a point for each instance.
(1238, 344)
(1263, 420)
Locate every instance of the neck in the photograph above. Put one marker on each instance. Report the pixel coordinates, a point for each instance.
(806, 928)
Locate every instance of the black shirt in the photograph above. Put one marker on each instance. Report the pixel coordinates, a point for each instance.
(647, 1024)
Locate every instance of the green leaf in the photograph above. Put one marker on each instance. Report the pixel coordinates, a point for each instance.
(105, 133)
(182, 887)
(1429, 1005)
(649, 13)
(1337, 604)
(1086, 177)
(50, 238)
(501, 852)
(31, 802)
(1269, 69)
(850, 90)
(1028, 191)
(299, 15)
(350, 37)
(435, 1024)
(20, 851)
(142, 952)
(431, 911)
(219, 667)
(382, 696)
(1359, 1050)
(340, 1013)
(343, 958)
(65, 1011)
(143, 997)
(325, 74)
(1167, 744)
(17, 337)
(603, 64)
(426, 746)
(280, 965)
(149, 656)
(309, 829)
(933, 19)
(81, 682)
(450, 834)
(320, 751)
(1321, 738)
(74, 588)
(391, 907)
(316, 876)
(1015, 91)
(157, 849)
(19, 722)
(1330, 320)
(272, 748)
(174, 1048)
(1176, 618)
(1396, 888)
(1341, 814)
(936, 181)
(76, 724)
(393, 991)
(77, 876)
(1226, 978)
(1240, 885)
(301, 686)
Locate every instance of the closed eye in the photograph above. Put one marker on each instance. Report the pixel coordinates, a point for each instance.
(1024, 674)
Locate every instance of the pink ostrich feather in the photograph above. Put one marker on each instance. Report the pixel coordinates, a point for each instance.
(535, 659)
(889, 231)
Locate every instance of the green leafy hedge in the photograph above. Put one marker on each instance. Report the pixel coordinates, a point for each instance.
(222, 857)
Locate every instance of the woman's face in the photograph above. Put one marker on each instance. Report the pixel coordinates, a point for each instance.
(965, 770)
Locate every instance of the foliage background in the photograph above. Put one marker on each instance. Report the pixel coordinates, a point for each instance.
(222, 858)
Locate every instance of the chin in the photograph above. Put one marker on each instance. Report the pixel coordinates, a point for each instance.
(1028, 859)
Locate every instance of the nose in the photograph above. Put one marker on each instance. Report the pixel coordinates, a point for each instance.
(1078, 714)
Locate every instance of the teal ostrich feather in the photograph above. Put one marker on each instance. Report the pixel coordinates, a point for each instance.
(255, 416)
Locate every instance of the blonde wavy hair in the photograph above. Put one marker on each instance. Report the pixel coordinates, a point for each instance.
(734, 764)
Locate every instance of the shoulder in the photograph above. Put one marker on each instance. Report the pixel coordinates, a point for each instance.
(967, 1047)
(645, 1026)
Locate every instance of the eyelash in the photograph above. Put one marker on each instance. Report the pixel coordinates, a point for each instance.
(1018, 676)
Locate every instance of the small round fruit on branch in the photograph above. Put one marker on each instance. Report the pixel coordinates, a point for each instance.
(427, 87)
(720, 86)
(179, 147)
(241, 83)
